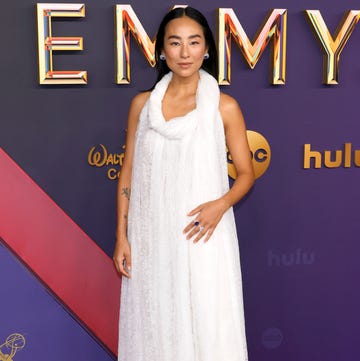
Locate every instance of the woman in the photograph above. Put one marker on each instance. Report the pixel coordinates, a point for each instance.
(181, 297)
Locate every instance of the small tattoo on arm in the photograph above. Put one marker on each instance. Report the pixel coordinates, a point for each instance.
(126, 192)
(125, 216)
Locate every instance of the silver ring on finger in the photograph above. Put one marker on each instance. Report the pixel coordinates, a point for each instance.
(201, 228)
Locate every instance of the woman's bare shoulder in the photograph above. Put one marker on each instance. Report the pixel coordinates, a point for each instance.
(228, 103)
(229, 108)
(135, 109)
(139, 101)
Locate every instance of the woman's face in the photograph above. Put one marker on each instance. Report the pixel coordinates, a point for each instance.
(184, 46)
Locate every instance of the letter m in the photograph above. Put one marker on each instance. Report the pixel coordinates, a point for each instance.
(128, 23)
(274, 27)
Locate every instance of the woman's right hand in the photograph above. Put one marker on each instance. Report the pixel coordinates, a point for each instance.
(122, 257)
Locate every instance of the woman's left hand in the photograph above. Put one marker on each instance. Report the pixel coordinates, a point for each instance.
(208, 215)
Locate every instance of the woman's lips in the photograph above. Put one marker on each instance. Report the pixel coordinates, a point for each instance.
(184, 65)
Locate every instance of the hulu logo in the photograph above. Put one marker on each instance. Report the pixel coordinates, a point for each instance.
(346, 157)
(297, 258)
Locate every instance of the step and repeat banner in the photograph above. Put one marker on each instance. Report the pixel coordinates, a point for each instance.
(68, 73)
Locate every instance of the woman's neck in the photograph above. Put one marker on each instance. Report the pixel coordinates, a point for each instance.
(181, 85)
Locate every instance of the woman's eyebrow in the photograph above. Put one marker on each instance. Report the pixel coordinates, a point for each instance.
(174, 37)
(179, 37)
(194, 36)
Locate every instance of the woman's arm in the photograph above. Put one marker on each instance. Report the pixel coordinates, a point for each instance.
(237, 143)
(210, 213)
(122, 250)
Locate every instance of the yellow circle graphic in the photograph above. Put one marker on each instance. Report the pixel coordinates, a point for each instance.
(260, 154)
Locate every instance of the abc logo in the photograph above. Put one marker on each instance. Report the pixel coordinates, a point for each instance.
(260, 154)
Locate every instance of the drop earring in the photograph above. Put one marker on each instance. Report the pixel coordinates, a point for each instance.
(206, 56)
(162, 57)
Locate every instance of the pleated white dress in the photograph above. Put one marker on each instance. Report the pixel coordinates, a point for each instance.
(184, 300)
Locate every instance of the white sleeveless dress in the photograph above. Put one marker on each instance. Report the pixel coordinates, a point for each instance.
(183, 301)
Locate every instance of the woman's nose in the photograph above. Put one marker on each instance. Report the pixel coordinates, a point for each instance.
(184, 51)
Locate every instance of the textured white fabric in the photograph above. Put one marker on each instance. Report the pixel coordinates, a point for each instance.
(184, 300)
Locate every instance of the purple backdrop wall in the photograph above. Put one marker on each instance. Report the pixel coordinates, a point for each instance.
(298, 229)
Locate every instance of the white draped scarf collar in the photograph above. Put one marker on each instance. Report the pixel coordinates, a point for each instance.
(207, 101)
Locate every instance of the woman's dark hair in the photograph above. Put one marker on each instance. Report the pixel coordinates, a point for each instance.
(210, 64)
